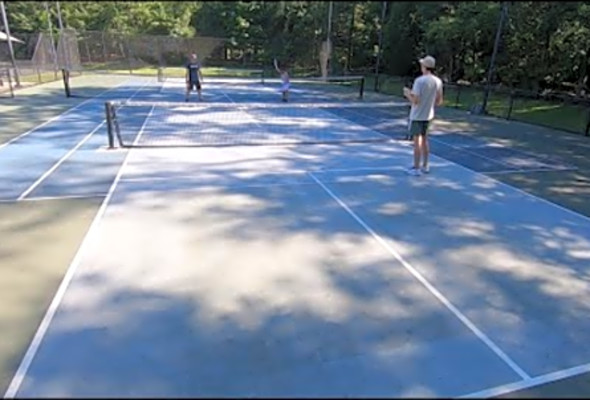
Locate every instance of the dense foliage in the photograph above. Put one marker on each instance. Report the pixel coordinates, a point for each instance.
(544, 44)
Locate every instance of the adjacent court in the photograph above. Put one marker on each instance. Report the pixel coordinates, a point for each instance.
(247, 247)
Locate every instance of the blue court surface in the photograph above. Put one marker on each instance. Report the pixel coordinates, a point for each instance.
(297, 270)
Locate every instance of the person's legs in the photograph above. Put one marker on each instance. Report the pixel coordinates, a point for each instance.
(188, 91)
(416, 129)
(199, 91)
(425, 147)
(417, 150)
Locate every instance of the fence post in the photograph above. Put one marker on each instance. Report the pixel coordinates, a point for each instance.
(587, 132)
(510, 104)
(66, 78)
(362, 88)
(9, 79)
(109, 119)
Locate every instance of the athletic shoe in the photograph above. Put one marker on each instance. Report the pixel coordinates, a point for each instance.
(425, 170)
(413, 171)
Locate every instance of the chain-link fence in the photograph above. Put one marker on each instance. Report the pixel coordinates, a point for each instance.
(39, 57)
(554, 110)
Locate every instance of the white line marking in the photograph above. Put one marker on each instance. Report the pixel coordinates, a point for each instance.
(67, 197)
(542, 158)
(466, 321)
(392, 168)
(48, 317)
(278, 173)
(528, 171)
(528, 383)
(465, 150)
(14, 139)
(68, 154)
(257, 104)
(58, 163)
(521, 191)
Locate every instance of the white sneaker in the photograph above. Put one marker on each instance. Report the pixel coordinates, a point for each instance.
(413, 171)
(425, 170)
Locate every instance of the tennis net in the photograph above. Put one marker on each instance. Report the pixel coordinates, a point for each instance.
(178, 124)
(254, 86)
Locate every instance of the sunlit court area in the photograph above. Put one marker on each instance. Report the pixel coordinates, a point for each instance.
(296, 199)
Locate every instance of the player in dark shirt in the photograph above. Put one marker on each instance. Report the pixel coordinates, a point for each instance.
(194, 78)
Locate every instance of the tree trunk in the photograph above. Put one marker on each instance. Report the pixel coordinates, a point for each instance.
(350, 35)
(583, 77)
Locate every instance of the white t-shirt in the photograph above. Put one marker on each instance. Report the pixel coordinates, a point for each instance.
(425, 87)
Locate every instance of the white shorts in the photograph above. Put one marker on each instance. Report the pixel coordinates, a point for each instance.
(284, 87)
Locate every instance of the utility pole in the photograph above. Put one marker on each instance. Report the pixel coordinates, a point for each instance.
(503, 13)
(328, 40)
(380, 50)
(62, 38)
(52, 40)
(9, 39)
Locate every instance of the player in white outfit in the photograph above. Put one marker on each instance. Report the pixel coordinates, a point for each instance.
(285, 82)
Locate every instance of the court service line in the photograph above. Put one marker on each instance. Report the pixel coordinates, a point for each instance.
(529, 383)
(464, 149)
(67, 197)
(529, 171)
(25, 364)
(68, 154)
(14, 139)
(447, 303)
(521, 191)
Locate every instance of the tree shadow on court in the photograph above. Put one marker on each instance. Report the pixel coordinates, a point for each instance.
(285, 339)
(496, 254)
(253, 281)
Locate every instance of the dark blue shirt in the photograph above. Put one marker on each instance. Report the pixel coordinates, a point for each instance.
(193, 71)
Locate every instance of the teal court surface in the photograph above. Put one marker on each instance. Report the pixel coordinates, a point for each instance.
(246, 247)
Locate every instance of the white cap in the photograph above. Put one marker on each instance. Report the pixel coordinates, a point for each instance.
(428, 61)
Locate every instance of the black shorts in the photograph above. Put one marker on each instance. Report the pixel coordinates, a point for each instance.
(192, 85)
(419, 128)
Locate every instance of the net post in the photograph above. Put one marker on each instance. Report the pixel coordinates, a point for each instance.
(510, 104)
(109, 118)
(587, 131)
(458, 96)
(66, 78)
(362, 88)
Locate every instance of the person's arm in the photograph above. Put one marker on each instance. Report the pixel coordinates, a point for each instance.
(276, 64)
(186, 74)
(412, 94)
(200, 74)
(439, 96)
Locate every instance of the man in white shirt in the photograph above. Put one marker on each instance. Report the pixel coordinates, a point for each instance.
(426, 92)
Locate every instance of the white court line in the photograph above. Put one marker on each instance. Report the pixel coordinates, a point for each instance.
(21, 372)
(58, 163)
(14, 139)
(521, 191)
(494, 144)
(529, 383)
(205, 187)
(68, 154)
(528, 171)
(463, 318)
(463, 149)
(66, 197)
